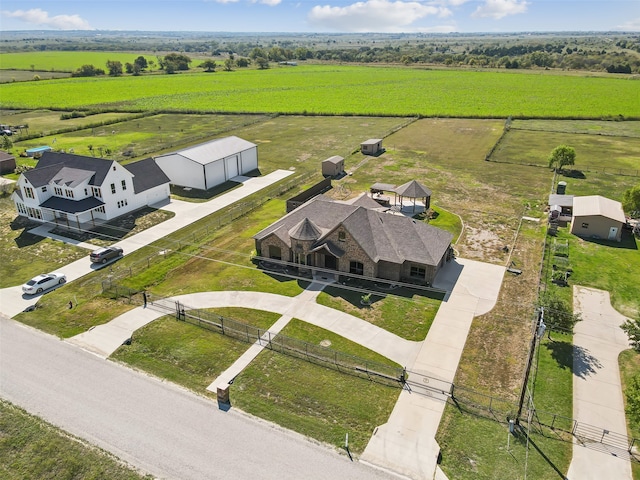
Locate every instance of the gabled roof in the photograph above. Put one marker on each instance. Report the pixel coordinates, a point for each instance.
(561, 200)
(371, 141)
(99, 166)
(597, 205)
(146, 174)
(214, 150)
(6, 156)
(364, 200)
(71, 177)
(334, 160)
(413, 189)
(385, 237)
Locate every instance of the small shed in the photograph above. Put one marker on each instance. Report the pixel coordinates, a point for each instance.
(333, 166)
(373, 146)
(597, 217)
(32, 152)
(7, 163)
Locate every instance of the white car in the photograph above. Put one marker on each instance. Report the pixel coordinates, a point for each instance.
(43, 282)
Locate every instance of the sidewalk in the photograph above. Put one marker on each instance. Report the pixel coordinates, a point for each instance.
(597, 392)
(406, 443)
(105, 339)
(13, 302)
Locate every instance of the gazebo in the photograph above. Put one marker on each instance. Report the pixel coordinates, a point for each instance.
(414, 190)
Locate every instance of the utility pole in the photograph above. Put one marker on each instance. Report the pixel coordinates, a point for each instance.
(539, 327)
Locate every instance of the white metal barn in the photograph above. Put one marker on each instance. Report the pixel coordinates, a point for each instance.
(210, 164)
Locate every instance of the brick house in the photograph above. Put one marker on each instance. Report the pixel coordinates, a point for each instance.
(356, 237)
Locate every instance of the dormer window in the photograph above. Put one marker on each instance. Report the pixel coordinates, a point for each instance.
(342, 236)
(57, 191)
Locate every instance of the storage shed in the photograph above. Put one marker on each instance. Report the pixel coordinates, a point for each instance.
(210, 164)
(373, 146)
(333, 166)
(7, 163)
(597, 217)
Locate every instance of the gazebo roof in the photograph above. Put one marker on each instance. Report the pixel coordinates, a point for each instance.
(413, 189)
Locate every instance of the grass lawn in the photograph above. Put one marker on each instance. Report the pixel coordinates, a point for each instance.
(33, 448)
(24, 255)
(315, 401)
(186, 354)
(629, 362)
(611, 266)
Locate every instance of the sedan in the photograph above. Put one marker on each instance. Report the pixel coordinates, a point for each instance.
(43, 282)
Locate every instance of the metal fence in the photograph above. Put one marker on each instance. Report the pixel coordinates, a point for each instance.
(310, 352)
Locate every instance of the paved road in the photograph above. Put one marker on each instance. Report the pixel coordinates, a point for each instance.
(154, 425)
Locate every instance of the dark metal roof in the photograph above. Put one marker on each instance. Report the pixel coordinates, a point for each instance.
(146, 174)
(72, 206)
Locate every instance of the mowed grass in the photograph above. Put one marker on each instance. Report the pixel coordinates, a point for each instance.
(33, 448)
(598, 152)
(134, 139)
(629, 362)
(318, 402)
(332, 89)
(186, 354)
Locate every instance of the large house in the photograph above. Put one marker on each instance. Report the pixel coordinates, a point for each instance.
(75, 191)
(210, 164)
(357, 237)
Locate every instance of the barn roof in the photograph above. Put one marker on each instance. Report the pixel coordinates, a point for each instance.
(209, 152)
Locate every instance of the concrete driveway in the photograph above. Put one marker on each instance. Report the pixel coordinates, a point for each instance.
(597, 391)
(406, 443)
(13, 302)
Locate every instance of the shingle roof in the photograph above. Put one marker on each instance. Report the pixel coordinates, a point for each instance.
(71, 177)
(305, 230)
(100, 166)
(334, 160)
(206, 153)
(386, 237)
(146, 174)
(72, 206)
(413, 189)
(597, 205)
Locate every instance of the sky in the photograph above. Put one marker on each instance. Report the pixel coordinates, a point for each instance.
(323, 16)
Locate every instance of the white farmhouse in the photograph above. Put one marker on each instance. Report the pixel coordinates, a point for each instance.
(210, 164)
(75, 191)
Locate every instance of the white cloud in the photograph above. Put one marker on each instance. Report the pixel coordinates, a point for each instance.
(37, 16)
(630, 26)
(270, 3)
(373, 16)
(501, 8)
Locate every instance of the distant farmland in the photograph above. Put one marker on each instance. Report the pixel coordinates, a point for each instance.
(343, 90)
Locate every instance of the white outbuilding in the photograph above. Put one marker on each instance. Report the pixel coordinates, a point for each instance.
(210, 164)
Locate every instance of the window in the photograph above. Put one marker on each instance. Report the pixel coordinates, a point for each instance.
(342, 236)
(57, 191)
(119, 204)
(68, 193)
(22, 209)
(113, 186)
(585, 225)
(44, 189)
(356, 268)
(124, 184)
(28, 192)
(86, 192)
(96, 192)
(417, 272)
(34, 213)
(114, 168)
(100, 209)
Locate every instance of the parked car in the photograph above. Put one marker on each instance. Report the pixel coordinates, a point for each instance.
(105, 254)
(44, 282)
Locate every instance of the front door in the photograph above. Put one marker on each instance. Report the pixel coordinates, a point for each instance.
(613, 233)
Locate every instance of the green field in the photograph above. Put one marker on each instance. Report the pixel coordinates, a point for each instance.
(56, 61)
(330, 89)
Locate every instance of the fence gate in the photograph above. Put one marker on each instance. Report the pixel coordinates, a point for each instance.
(429, 386)
(588, 434)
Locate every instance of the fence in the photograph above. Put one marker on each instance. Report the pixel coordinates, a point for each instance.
(628, 172)
(310, 352)
(167, 247)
